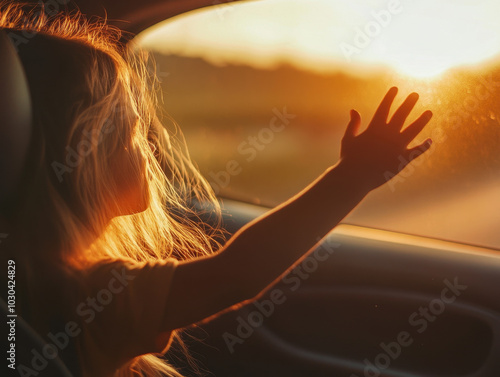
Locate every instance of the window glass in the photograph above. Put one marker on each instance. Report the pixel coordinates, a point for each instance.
(262, 91)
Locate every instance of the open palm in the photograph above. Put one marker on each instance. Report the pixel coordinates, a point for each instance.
(381, 151)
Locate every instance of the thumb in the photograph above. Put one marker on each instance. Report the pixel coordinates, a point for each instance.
(353, 126)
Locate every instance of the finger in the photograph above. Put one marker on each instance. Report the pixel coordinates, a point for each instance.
(383, 110)
(354, 124)
(419, 150)
(410, 132)
(403, 111)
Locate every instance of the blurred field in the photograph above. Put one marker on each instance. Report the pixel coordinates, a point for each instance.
(452, 193)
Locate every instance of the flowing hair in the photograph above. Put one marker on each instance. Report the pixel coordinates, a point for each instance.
(106, 103)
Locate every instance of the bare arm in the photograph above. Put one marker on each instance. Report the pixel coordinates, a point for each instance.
(264, 249)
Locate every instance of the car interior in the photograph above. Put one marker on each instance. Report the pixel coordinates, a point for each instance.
(408, 284)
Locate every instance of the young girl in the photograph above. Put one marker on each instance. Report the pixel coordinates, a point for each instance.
(111, 255)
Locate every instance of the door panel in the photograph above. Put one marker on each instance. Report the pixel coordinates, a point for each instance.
(364, 303)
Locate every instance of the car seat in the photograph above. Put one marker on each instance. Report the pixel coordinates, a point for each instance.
(15, 135)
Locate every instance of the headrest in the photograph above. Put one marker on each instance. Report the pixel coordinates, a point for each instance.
(15, 119)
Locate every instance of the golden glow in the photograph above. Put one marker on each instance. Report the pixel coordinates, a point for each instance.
(420, 38)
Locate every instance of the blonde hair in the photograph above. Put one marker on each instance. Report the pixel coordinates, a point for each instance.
(64, 216)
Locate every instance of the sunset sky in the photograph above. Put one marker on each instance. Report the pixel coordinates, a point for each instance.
(420, 38)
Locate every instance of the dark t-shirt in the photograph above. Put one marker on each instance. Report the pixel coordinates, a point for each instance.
(122, 316)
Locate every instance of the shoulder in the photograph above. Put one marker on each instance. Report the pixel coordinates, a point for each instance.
(126, 291)
(117, 274)
(110, 265)
(123, 312)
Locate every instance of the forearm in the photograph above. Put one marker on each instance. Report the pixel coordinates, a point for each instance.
(263, 249)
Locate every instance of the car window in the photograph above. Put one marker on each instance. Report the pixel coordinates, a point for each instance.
(262, 91)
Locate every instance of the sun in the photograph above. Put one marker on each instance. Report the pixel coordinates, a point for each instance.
(421, 38)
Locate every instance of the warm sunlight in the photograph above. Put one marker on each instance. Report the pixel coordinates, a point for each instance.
(420, 38)
(227, 69)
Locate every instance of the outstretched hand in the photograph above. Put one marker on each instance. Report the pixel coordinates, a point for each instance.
(381, 151)
(285, 233)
